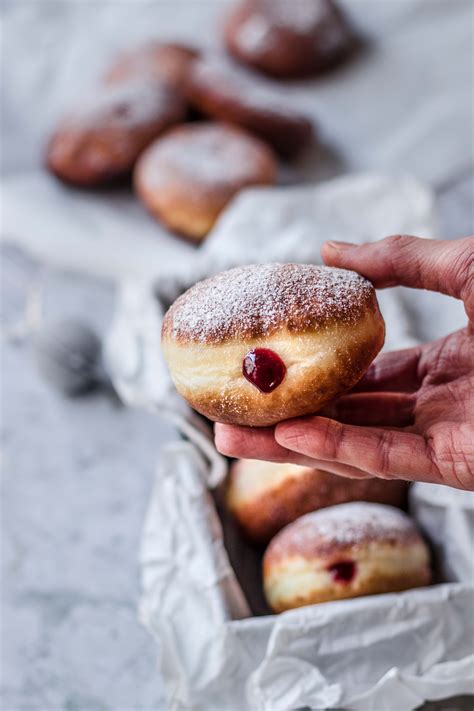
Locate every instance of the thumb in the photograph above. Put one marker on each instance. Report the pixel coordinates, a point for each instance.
(436, 265)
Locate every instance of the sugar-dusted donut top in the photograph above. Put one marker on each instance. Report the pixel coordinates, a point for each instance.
(299, 16)
(337, 527)
(126, 105)
(307, 19)
(260, 299)
(235, 85)
(208, 154)
(163, 61)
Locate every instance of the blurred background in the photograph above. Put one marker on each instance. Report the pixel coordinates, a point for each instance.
(77, 472)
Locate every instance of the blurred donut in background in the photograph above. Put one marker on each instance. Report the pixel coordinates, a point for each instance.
(288, 39)
(186, 178)
(101, 138)
(342, 552)
(224, 92)
(168, 63)
(266, 496)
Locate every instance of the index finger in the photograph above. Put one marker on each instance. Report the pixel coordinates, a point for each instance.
(436, 265)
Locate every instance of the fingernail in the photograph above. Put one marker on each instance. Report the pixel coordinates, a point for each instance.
(340, 246)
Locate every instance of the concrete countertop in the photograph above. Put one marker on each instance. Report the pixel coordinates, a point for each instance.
(78, 473)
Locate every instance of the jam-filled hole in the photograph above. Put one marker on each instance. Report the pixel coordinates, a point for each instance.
(264, 368)
(343, 572)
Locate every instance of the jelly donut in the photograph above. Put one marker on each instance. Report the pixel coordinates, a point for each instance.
(342, 552)
(259, 344)
(224, 92)
(165, 62)
(102, 138)
(288, 40)
(187, 177)
(266, 496)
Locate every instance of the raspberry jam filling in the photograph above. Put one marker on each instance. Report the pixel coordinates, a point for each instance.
(264, 369)
(343, 572)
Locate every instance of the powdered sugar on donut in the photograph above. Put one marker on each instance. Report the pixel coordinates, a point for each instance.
(276, 27)
(344, 525)
(233, 83)
(258, 300)
(254, 34)
(300, 16)
(212, 154)
(163, 62)
(126, 105)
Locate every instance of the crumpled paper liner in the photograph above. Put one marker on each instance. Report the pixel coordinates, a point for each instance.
(373, 653)
(385, 651)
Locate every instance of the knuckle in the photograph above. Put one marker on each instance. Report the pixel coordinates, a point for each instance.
(442, 360)
(382, 453)
(401, 254)
(398, 240)
(321, 438)
(466, 271)
(297, 438)
(461, 265)
(333, 439)
(452, 453)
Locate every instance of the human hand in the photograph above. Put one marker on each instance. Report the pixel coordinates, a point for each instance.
(412, 415)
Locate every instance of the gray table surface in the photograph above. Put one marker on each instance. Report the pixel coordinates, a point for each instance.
(77, 477)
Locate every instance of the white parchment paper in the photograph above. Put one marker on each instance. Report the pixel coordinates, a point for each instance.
(201, 581)
(374, 653)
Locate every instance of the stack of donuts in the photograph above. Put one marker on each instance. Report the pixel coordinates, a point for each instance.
(194, 128)
(328, 538)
